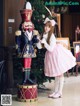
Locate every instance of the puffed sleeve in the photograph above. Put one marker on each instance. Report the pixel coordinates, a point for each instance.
(50, 46)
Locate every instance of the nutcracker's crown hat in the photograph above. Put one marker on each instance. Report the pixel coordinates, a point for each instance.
(26, 13)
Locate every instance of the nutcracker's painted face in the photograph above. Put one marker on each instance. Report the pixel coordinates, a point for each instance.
(27, 26)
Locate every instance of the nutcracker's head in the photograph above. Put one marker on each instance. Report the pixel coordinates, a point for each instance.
(26, 14)
(27, 26)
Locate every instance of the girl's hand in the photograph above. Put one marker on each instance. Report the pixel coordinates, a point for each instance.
(43, 41)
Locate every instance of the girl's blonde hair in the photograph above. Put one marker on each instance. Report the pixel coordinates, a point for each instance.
(49, 24)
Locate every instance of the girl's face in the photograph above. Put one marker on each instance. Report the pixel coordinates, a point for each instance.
(47, 29)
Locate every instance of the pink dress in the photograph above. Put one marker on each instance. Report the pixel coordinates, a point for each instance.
(58, 59)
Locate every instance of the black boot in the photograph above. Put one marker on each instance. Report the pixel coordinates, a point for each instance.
(27, 79)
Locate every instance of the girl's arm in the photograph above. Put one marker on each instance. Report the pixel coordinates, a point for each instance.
(50, 46)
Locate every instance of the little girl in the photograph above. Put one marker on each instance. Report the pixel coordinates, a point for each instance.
(58, 59)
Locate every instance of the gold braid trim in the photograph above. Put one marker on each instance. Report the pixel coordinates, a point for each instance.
(27, 86)
(27, 100)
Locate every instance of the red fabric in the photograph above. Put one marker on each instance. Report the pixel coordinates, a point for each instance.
(26, 14)
(27, 62)
(77, 55)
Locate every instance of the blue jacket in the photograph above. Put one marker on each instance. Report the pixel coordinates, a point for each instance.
(25, 47)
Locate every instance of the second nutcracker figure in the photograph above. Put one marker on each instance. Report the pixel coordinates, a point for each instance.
(26, 39)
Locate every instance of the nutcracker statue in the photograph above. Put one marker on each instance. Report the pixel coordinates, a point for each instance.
(26, 39)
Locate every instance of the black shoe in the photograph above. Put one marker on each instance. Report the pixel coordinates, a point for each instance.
(29, 82)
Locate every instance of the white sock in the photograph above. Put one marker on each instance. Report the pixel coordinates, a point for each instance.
(56, 84)
(61, 83)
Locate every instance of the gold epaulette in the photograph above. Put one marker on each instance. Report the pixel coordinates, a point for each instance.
(18, 33)
(35, 32)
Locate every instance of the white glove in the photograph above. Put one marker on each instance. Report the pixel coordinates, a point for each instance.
(38, 37)
(39, 46)
(43, 41)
